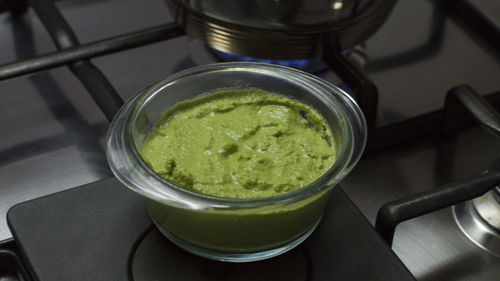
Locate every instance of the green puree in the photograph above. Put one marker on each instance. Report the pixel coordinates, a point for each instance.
(240, 144)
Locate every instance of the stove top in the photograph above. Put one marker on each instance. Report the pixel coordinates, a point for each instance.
(53, 132)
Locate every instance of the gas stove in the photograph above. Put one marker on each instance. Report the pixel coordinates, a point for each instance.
(405, 209)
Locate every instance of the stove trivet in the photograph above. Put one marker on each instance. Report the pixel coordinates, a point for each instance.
(101, 231)
(476, 199)
(479, 219)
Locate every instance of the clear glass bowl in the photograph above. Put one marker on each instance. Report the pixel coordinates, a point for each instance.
(237, 230)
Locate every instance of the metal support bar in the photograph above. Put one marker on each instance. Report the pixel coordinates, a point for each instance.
(54, 22)
(464, 99)
(471, 13)
(103, 93)
(101, 90)
(91, 50)
(426, 125)
(395, 212)
(365, 91)
(419, 127)
(459, 100)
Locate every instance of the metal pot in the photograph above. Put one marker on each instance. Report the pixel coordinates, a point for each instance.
(281, 29)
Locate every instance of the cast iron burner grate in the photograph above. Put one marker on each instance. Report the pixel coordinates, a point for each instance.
(471, 216)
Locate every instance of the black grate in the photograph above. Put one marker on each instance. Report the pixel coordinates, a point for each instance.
(77, 56)
(459, 100)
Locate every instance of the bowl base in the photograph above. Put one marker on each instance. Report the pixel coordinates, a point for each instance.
(235, 256)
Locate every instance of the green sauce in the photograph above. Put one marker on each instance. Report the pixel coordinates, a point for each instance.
(240, 144)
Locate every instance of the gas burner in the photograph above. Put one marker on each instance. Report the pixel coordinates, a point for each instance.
(308, 65)
(202, 54)
(479, 219)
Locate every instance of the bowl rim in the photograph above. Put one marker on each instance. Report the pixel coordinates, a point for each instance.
(159, 189)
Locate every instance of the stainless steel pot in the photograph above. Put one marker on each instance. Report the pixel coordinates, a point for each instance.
(281, 29)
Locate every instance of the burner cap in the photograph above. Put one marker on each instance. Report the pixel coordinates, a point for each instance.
(479, 219)
(156, 258)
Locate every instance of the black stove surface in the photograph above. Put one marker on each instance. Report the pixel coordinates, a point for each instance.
(104, 233)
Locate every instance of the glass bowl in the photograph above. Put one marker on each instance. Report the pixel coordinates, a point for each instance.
(236, 230)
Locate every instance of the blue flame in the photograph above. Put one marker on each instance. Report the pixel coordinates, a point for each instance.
(299, 64)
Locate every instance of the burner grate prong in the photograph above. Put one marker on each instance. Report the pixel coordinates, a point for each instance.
(460, 100)
(91, 50)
